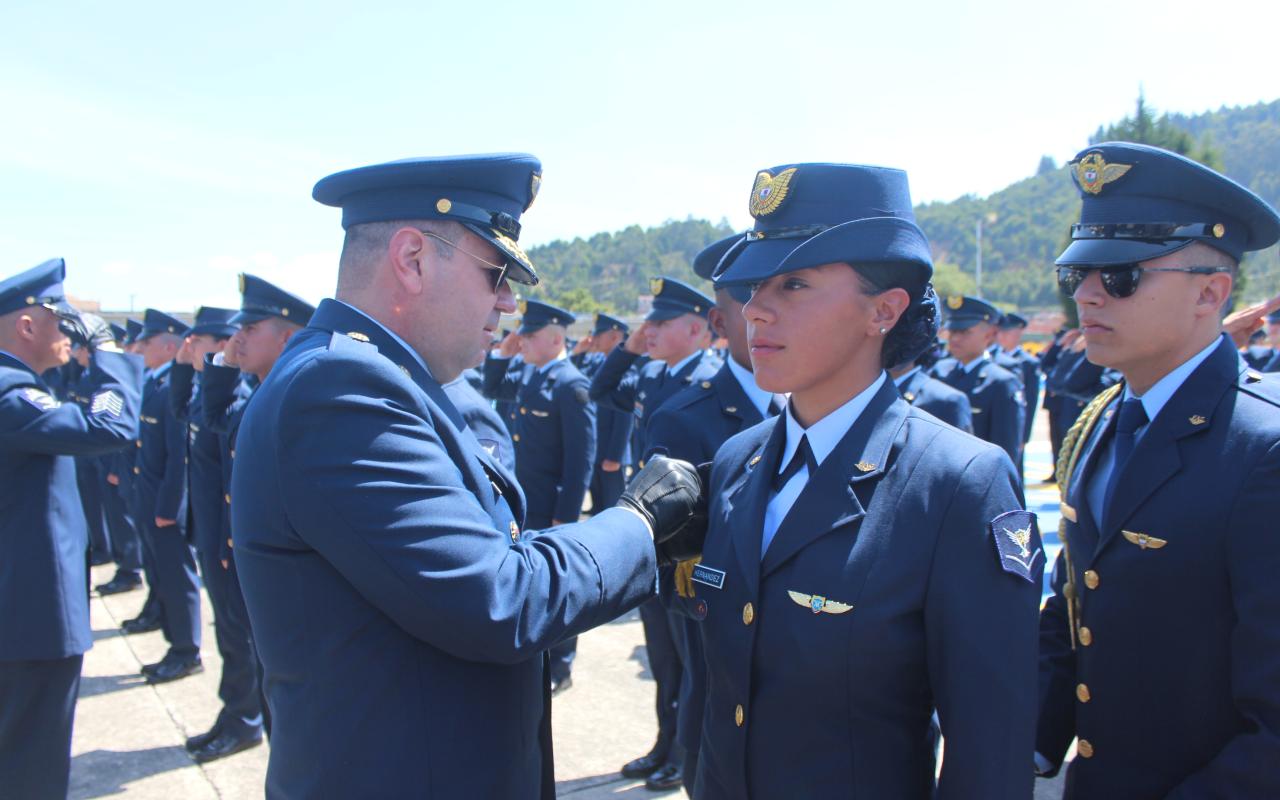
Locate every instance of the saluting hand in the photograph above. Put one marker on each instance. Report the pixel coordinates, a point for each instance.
(636, 341)
(509, 346)
(1241, 324)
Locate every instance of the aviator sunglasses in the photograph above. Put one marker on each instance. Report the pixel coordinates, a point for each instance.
(1119, 280)
(497, 272)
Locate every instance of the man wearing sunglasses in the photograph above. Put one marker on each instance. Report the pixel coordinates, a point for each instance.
(1160, 648)
(401, 610)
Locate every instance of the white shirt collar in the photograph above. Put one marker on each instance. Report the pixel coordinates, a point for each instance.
(672, 369)
(1163, 390)
(827, 432)
(758, 397)
(904, 377)
(393, 335)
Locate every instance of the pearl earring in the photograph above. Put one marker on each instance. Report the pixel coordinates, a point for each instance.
(883, 331)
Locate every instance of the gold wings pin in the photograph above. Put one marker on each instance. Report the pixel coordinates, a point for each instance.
(1144, 541)
(1093, 172)
(769, 192)
(819, 604)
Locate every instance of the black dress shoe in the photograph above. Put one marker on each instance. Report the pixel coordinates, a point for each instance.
(645, 765)
(666, 778)
(201, 739)
(560, 686)
(118, 585)
(226, 744)
(173, 669)
(140, 625)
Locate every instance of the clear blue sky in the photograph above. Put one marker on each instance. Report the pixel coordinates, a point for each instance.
(162, 149)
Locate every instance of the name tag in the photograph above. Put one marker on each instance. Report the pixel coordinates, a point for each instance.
(708, 576)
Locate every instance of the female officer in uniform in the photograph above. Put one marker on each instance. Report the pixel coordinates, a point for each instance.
(865, 564)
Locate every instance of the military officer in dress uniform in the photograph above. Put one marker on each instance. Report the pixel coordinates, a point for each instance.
(995, 394)
(672, 339)
(692, 426)
(89, 478)
(613, 426)
(126, 547)
(362, 501)
(831, 631)
(44, 605)
(927, 393)
(268, 317)
(1008, 353)
(519, 371)
(554, 435)
(1160, 648)
(161, 503)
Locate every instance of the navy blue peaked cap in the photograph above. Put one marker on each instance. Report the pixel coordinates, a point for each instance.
(536, 315)
(156, 322)
(487, 193)
(605, 322)
(261, 300)
(132, 328)
(961, 312)
(807, 215)
(1142, 202)
(672, 299)
(118, 333)
(39, 286)
(705, 262)
(212, 321)
(1012, 320)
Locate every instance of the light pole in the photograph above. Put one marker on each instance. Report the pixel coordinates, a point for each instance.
(990, 218)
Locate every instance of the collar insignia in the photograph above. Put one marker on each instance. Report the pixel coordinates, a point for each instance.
(1196, 419)
(1093, 172)
(769, 192)
(910, 397)
(819, 604)
(1144, 541)
(954, 302)
(358, 336)
(865, 466)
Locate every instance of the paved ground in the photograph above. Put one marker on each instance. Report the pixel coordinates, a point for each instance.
(129, 735)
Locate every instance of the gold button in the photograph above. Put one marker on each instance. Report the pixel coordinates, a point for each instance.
(748, 614)
(1091, 579)
(139, 444)
(738, 715)
(1084, 749)
(1082, 693)
(1086, 636)
(515, 531)
(524, 410)
(227, 497)
(230, 543)
(515, 438)
(137, 470)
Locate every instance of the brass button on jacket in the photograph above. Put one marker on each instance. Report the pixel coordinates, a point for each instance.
(1086, 636)
(1082, 693)
(739, 715)
(1091, 579)
(1084, 749)
(748, 614)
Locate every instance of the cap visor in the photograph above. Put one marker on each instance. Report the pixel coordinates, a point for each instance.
(531, 328)
(755, 261)
(664, 314)
(250, 317)
(519, 267)
(962, 324)
(1107, 252)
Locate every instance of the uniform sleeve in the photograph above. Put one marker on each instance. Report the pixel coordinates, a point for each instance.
(386, 506)
(173, 486)
(1056, 726)
(614, 384)
(614, 448)
(32, 421)
(1007, 415)
(501, 378)
(218, 396)
(669, 434)
(182, 378)
(578, 446)
(1253, 561)
(980, 624)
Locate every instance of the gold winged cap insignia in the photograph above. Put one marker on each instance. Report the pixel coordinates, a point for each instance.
(769, 191)
(1093, 172)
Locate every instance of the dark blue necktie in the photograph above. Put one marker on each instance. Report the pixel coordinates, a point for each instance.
(1132, 417)
(803, 457)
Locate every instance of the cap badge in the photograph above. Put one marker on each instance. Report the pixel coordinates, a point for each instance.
(1196, 419)
(655, 286)
(1093, 172)
(241, 283)
(523, 306)
(954, 302)
(535, 183)
(769, 192)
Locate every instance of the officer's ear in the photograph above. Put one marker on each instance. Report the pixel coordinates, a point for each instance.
(716, 319)
(407, 252)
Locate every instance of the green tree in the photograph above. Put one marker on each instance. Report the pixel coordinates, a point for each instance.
(1144, 127)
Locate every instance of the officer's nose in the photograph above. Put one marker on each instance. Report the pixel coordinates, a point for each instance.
(1090, 291)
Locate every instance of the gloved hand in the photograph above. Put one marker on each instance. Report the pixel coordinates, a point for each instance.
(668, 493)
(84, 329)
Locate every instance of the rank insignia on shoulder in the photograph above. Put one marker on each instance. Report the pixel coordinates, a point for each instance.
(1017, 538)
(41, 400)
(819, 604)
(708, 576)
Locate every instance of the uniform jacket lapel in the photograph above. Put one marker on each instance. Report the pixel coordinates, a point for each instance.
(1156, 457)
(747, 499)
(734, 401)
(831, 498)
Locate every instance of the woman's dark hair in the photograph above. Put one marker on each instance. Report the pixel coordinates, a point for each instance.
(917, 328)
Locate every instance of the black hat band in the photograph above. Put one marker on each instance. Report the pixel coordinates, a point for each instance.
(500, 221)
(1158, 231)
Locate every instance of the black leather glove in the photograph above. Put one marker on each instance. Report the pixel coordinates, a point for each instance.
(669, 494)
(84, 329)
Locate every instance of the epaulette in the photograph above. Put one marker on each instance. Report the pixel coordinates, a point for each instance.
(1263, 387)
(352, 340)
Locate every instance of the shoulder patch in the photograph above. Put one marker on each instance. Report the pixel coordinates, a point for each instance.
(1018, 546)
(41, 400)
